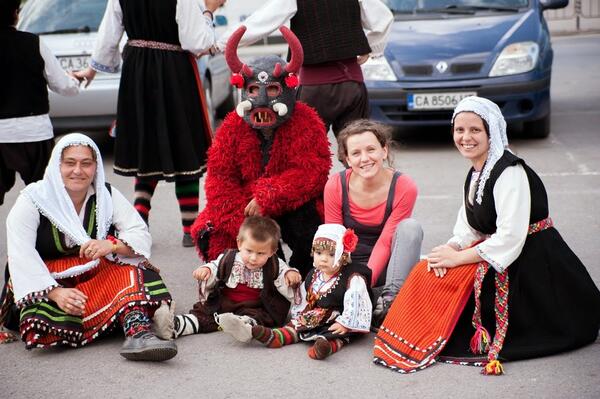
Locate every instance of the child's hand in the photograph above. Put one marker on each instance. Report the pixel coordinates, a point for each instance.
(202, 273)
(293, 278)
(337, 328)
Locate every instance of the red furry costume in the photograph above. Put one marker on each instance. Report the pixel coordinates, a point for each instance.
(295, 174)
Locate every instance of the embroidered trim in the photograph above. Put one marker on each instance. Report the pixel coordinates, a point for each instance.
(134, 171)
(103, 68)
(35, 297)
(540, 226)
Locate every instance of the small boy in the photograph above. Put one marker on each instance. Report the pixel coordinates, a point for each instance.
(248, 285)
(336, 299)
(28, 68)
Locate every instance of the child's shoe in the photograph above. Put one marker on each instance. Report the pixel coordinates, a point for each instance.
(239, 327)
(164, 321)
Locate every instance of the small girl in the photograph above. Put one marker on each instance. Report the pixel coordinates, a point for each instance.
(336, 299)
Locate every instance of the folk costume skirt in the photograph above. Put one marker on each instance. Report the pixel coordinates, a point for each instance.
(110, 288)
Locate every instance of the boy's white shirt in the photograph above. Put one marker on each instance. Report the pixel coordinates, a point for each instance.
(280, 284)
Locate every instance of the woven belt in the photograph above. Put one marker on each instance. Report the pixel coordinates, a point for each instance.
(154, 45)
(541, 225)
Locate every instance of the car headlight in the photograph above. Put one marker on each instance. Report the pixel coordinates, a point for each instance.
(516, 58)
(378, 69)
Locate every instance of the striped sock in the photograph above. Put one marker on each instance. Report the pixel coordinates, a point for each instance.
(275, 337)
(144, 190)
(185, 324)
(187, 195)
(323, 348)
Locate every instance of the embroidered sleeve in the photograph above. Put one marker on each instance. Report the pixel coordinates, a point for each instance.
(464, 234)
(106, 56)
(513, 207)
(212, 279)
(297, 308)
(196, 32)
(58, 80)
(30, 277)
(357, 306)
(282, 287)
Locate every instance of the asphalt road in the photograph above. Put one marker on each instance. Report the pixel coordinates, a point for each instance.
(214, 366)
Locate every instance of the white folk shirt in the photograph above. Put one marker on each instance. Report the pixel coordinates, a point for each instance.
(376, 19)
(196, 33)
(37, 128)
(513, 206)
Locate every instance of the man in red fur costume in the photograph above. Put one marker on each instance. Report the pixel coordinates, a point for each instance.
(270, 157)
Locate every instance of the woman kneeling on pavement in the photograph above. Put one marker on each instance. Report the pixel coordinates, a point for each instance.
(78, 260)
(506, 286)
(377, 202)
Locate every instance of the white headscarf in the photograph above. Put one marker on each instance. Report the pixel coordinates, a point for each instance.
(52, 200)
(335, 233)
(498, 142)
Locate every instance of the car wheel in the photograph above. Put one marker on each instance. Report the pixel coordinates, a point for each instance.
(537, 129)
(209, 104)
(229, 104)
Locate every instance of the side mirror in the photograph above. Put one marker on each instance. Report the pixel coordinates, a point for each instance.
(553, 4)
(221, 20)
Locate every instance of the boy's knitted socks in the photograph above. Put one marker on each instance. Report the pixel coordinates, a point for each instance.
(275, 337)
(324, 347)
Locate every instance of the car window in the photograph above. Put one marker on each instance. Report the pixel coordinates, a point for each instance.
(61, 16)
(415, 6)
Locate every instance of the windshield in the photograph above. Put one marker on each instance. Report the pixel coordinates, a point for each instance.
(61, 16)
(415, 6)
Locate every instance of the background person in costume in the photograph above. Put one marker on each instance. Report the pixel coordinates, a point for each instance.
(331, 77)
(336, 300)
(249, 284)
(26, 136)
(162, 126)
(78, 259)
(270, 157)
(377, 202)
(532, 295)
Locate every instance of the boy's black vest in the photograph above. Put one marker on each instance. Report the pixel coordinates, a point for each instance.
(335, 298)
(23, 91)
(329, 30)
(274, 303)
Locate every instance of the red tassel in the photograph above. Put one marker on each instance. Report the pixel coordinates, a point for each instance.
(6, 337)
(480, 342)
(292, 81)
(237, 80)
(494, 367)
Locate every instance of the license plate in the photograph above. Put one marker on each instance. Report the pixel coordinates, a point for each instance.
(436, 101)
(74, 63)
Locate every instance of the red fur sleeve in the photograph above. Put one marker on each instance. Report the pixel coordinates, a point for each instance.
(226, 198)
(304, 150)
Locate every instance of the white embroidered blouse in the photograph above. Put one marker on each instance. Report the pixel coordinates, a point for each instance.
(513, 207)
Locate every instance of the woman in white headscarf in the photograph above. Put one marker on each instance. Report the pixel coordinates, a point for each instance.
(78, 259)
(532, 295)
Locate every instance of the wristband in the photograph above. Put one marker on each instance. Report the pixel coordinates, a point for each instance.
(114, 242)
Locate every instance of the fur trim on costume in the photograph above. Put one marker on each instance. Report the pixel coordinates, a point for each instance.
(296, 173)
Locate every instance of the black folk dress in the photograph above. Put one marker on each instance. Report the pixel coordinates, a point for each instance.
(553, 304)
(162, 132)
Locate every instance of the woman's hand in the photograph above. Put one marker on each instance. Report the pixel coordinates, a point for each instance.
(85, 75)
(70, 300)
(292, 278)
(202, 273)
(95, 249)
(442, 258)
(337, 328)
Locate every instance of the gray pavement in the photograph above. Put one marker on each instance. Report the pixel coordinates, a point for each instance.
(214, 366)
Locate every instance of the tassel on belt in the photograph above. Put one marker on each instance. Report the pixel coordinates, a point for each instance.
(481, 342)
(154, 45)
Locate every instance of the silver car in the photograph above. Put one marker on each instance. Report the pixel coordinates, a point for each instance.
(69, 28)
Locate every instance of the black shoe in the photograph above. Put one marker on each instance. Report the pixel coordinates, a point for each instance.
(148, 347)
(380, 312)
(187, 240)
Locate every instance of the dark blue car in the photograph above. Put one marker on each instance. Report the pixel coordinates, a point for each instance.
(440, 51)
